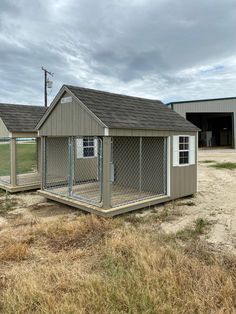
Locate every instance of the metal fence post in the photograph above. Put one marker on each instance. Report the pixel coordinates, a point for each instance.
(106, 177)
(70, 164)
(165, 164)
(140, 164)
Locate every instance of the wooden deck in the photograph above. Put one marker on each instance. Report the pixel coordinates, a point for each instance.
(94, 209)
(91, 192)
(25, 182)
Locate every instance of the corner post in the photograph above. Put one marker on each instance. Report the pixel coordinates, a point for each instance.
(37, 141)
(106, 176)
(13, 162)
(70, 165)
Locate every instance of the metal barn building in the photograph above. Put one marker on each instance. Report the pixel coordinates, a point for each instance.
(215, 117)
(19, 147)
(107, 153)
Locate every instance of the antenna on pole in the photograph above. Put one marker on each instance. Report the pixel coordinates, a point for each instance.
(47, 84)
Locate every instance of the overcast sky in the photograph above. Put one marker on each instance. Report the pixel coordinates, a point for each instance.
(162, 49)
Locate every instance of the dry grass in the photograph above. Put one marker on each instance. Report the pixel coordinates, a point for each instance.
(14, 252)
(95, 265)
(84, 231)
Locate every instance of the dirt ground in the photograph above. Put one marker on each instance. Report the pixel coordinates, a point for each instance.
(215, 203)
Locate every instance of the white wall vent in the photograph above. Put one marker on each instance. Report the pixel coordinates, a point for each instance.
(65, 100)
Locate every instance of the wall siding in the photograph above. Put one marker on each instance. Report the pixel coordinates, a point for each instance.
(70, 119)
(211, 106)
(183, 179)
(3, 130)
(58, 162)
(147, 133)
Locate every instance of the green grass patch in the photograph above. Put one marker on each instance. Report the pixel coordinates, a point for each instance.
(2, 192)
(26, 158)
(7, 204)
(207, 161)
(5, 159)
(199, 228)
(224, 165)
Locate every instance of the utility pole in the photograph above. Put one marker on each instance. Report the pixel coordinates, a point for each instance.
(47, 84)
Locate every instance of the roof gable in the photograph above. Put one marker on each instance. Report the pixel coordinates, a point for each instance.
(20, 118)
(127, 112)
(117, 111)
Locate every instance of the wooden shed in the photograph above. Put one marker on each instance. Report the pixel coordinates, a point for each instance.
(107, 153)
(19, 147)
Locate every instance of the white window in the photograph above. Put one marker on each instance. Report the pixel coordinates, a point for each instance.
(86, 147)
(183, 150)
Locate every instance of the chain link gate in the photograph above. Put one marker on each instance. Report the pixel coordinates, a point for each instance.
(139, 166)
(73, 168)
(87, 169)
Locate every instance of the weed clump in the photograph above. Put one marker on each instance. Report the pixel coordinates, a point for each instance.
(224, 165)
(189, 233)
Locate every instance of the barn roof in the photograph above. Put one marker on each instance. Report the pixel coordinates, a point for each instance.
(199, 100)
(128, 112)
(21, 118)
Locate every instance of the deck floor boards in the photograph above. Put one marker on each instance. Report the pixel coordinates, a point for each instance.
(23, 179)
(91, 191)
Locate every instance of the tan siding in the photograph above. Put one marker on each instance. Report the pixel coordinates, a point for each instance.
(183, 179)
(3, 130)
(24, 135)
(131, 132)
(70, 119)
(58, 161)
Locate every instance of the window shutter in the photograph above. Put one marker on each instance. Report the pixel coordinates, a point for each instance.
(192, 150)
(79, 148)
(95, 147)
(175, 150)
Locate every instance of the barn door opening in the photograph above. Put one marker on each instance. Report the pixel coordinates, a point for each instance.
(87, 169)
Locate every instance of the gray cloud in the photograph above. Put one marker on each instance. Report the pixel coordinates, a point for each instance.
(162, 49)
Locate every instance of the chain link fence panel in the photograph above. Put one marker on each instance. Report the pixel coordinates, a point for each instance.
(27, 161)
(87, 169)
(73, 168)
(139, 168)
(57, 159)
(5, 161)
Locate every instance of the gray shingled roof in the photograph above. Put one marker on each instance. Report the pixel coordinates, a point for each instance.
(126, 112)
(21, 118)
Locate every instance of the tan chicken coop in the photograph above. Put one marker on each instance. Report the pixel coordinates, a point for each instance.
(108, 153)
(19, 147)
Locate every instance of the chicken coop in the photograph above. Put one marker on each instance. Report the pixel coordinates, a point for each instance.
(19, 147)
(107, 153)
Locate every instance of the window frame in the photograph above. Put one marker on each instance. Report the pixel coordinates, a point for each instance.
(89, 146)
(185, 149)
(81, 147)
(190, 149)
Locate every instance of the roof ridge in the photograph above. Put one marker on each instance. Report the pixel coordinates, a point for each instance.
(111, 93)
